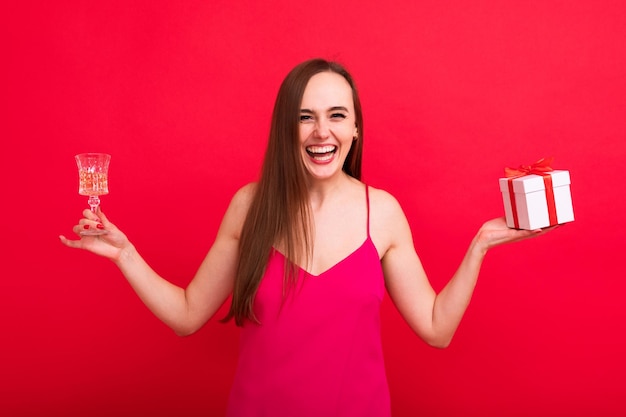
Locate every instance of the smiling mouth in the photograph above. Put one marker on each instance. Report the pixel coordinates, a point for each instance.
(321, 153)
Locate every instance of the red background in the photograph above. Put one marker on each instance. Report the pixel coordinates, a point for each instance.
(181, 95)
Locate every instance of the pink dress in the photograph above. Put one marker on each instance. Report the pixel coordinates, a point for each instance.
(318, 352)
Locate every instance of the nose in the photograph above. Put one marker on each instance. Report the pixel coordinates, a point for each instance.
(321, 129)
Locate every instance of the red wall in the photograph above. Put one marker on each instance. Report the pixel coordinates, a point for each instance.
(181, 94)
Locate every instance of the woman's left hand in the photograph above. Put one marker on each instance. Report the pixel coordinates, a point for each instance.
(495, 232)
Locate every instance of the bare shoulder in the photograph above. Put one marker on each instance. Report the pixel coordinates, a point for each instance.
(243, 197)
(238, 210)
(383, 202)
(387, 220)
(384, 206)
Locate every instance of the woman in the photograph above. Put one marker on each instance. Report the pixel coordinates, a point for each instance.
(307, 253)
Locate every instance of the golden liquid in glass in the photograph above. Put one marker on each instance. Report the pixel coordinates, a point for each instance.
(93, 183)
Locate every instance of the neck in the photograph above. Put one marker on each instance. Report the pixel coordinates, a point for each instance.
(323, 190)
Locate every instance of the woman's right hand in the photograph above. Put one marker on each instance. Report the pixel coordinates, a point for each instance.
(110, 245)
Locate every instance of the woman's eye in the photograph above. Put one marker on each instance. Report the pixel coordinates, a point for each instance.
(305, 117)
(337, 116)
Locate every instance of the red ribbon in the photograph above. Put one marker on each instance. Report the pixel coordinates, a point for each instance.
(541, 167)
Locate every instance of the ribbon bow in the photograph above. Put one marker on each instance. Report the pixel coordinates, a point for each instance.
(540, 167)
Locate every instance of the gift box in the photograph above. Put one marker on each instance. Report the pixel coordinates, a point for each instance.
(536, 196)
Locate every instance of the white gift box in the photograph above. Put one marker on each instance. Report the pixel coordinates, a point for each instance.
(533, 203)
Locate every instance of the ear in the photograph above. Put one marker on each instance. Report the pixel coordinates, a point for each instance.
(355, 136)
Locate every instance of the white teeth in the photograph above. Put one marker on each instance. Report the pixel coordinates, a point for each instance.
(320, 149)
(326, 157)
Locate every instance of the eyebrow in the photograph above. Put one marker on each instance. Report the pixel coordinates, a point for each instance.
(334, 108)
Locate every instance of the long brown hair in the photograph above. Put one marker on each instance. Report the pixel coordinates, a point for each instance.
(279, 211)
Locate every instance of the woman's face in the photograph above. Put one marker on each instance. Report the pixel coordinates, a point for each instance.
(327, 124)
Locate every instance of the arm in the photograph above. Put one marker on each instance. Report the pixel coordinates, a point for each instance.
(434, 317)
(185, 310)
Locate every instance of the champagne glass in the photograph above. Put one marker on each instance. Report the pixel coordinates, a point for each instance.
(93, 170)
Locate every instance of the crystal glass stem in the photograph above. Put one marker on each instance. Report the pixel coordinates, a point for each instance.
(94, 202)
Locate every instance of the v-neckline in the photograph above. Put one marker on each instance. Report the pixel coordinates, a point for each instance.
(327, 270)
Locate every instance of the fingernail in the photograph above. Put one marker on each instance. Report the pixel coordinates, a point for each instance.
(100, 226)
(86, 226)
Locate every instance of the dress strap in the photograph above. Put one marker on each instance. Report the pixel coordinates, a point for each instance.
(367, 200)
